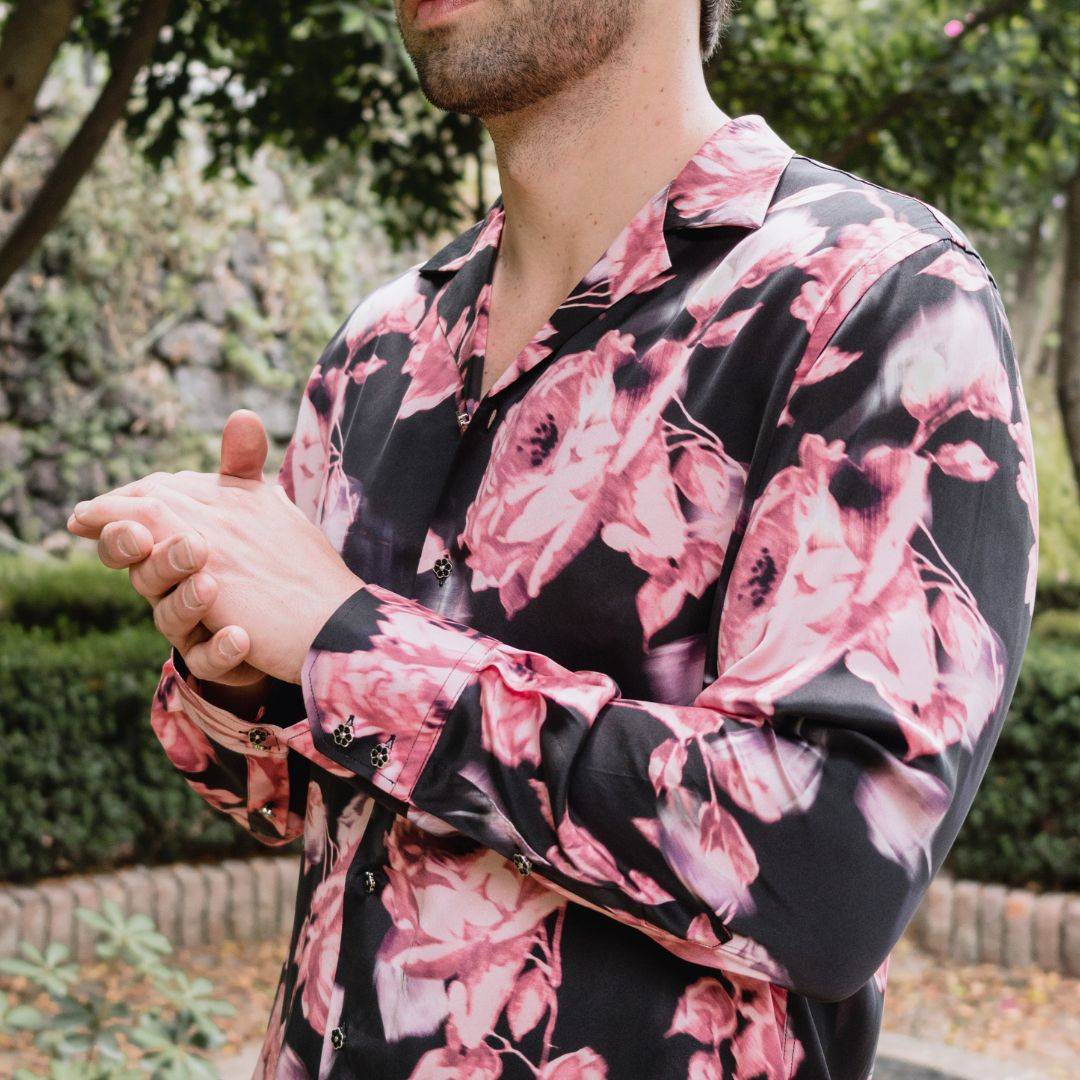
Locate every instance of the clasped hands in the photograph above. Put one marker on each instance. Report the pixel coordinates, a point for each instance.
(241, 581)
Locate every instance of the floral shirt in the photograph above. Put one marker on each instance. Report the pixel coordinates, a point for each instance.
(678, 657)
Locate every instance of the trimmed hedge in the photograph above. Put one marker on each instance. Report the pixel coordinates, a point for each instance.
(1024, 826)
(84, 782)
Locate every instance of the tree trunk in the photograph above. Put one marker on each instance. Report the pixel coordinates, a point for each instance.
(53, 195)
(1028, 292)
(33, 34)
(1041, 360)
(1068, 366)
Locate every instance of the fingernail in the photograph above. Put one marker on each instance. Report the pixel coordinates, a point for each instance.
(231, 646)
(190, 593)
(180, 555)
(126, 543)
(80, 507)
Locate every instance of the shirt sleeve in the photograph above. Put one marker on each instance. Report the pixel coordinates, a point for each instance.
(246, 768)
(869, 627)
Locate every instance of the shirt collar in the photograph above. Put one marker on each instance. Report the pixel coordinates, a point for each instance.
(729, 181)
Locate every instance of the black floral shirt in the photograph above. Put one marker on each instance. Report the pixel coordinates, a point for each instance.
(679, 654)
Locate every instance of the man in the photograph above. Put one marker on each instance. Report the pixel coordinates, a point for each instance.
(641, 599)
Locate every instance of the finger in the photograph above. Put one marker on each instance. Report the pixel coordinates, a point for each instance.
(177, 614)
(161, 518)
(244, 445)
(220, 654)
(124, 543)
(169, 563)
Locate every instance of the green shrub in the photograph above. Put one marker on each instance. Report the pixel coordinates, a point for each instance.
(84, 782)
(1024, 827)
(69, 598)
(1057, 625)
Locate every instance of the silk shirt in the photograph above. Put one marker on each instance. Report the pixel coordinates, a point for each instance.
(676, 659)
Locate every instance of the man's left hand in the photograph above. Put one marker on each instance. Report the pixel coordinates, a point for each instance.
(278, 575)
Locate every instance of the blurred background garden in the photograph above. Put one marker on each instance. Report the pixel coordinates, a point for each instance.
(193, 195)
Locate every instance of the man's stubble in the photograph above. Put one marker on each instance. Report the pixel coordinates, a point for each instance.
(517, 55)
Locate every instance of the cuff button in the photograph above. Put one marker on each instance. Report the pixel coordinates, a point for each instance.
(380, 752)
(258, 737)
(342, 734)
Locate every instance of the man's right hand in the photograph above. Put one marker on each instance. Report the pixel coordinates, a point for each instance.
(170, 575)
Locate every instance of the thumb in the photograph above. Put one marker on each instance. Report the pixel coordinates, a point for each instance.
(244, 446)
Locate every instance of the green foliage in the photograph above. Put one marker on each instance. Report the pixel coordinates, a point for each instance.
(315, 77)
(974, 109)
(1024, 827)
(70, 598)
(1059, 510)
(84, 783)
(80, 1035)
(1057, 625)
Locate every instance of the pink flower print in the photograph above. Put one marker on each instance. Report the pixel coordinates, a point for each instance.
(533, 996)
(706, 849)
(184, 743)
(705, 1012)
(965, 460)
(831, 569)
(637, 257)
(733, 174)
(766, 776)
(932, 386)
(459, 1063)
(430, 367)
(903, 807)
(584, 1064)
(460, 959)
(538, 504)
(763, 1046)
(963, 271)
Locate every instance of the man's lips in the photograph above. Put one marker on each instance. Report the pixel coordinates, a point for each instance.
(427, 13)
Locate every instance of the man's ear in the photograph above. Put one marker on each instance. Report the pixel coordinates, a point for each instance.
(244, 446)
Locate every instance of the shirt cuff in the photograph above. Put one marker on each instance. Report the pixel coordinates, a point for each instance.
(256, 736)
(379, 680)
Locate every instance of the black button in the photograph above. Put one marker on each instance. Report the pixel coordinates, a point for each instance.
(380, 752)
(337, 1038)
(342, 734)
(463, 419)
(523, 863)
(442, 568)
(370, 882)
(258, 737)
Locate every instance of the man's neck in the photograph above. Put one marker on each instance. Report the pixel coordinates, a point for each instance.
(577, 166)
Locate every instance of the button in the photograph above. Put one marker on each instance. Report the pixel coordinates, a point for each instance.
(380, 752)
(442, 568)
(523, 864)
(370, 884)
(343, 732)
(258, 737)
(267, 810)
(337, 1038)
(463, 419)
(491, 417)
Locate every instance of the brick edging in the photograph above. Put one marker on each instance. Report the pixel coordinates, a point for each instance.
(253, 899)
(191, 904)
(973, 923)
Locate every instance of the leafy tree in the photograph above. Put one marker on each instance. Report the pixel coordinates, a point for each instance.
(311, 75)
